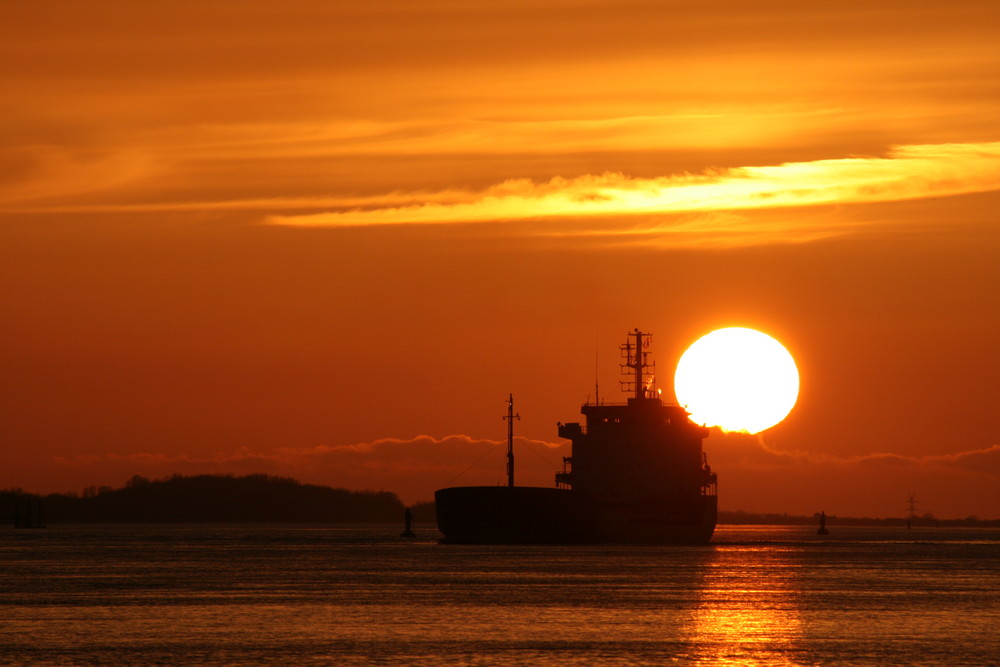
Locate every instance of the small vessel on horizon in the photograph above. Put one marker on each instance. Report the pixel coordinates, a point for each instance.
(637, 474)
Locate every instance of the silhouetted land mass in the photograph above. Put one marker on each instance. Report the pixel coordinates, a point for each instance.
(210, 498)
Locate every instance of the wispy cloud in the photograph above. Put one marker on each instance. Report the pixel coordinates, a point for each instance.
(759, 476)
(755, 451)
(906, 172)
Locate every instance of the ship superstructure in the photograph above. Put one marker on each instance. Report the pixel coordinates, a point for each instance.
(641, 464)
(637, 474)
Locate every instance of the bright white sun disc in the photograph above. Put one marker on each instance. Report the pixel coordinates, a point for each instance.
(737, 379)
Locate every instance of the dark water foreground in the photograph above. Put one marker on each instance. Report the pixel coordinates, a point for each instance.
(227, 595)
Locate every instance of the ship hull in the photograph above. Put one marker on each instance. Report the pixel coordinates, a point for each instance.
(669, 520)
(509, 515)
(535, 515)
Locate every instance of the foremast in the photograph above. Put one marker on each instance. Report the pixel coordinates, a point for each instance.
(510, 417)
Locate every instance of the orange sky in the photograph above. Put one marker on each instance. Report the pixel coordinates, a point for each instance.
(326, 240)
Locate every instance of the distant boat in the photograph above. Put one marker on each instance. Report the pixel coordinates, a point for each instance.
(637, 474)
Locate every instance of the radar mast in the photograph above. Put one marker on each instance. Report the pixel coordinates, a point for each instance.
(635, 365)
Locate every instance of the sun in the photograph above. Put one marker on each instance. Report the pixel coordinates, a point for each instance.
(737, 379)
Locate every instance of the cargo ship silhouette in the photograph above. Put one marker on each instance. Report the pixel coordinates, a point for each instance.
(637, 474)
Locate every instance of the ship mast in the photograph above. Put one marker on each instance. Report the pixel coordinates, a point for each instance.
(635, 363)
(510, 417)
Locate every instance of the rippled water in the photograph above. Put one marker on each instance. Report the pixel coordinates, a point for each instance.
(222, 595)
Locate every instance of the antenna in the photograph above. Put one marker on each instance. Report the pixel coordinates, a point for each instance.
(510, 417)
(597, 393)
(911, 507)
(635, 363)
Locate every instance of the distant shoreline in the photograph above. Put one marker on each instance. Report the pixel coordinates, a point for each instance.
(261, 499)
(740, 518)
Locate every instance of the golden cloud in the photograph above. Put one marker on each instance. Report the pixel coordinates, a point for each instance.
(906, 172)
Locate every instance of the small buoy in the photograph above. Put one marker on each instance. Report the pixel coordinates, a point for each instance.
(822, 525)
(408, 522)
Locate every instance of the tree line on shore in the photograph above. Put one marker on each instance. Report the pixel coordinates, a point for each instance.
(205, 498)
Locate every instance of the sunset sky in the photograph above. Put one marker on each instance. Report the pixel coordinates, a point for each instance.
(325, 240)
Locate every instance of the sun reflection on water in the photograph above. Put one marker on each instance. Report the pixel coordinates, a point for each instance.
(747, 610)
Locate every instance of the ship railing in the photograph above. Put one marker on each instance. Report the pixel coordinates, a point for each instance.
(564, 479)
(710, 485)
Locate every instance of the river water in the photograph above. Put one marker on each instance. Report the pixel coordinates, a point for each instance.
(270, 595)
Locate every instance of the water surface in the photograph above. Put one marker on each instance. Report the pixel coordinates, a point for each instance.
(265, 595)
